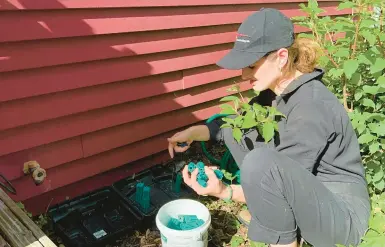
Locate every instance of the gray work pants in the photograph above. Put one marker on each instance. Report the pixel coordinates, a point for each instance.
(284, 197)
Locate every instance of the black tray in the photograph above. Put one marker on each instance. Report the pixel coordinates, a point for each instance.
(93, 219)
(159, 178)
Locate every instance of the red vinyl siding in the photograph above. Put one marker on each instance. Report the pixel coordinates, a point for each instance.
(92, 89)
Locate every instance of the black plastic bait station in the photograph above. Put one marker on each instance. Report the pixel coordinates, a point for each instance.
(130, 204)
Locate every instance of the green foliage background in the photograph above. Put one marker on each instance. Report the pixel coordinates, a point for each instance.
(353, 55)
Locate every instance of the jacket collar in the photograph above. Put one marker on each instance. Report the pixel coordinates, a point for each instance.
(297, 83)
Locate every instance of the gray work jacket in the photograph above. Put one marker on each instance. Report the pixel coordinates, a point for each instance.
(316, 132)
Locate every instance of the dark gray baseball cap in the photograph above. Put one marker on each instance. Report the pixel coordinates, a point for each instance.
(262, 32)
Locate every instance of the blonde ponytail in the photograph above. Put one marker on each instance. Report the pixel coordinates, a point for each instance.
(303, 56)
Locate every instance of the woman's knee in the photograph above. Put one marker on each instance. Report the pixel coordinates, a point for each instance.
(257, 162)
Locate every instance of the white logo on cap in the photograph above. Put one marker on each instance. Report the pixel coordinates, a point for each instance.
(243, 40)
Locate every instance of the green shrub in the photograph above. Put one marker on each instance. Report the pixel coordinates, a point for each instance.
(353, 55)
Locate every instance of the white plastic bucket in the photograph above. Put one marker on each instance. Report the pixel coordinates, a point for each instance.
(197, 237)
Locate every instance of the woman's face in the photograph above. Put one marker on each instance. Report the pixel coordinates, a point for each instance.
(265, 73)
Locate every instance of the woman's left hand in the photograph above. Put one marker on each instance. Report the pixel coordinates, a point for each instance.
(215, 187)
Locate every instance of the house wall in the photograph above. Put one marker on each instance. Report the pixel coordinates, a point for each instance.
(91, 89)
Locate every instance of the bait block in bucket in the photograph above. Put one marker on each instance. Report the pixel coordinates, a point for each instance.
(193, 214)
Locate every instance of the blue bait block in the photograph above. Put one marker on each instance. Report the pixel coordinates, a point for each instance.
(187, 218)
(191, 167)
(174, 224)
(185, 222)
(202, 183)
(200, 165)
(146, 198)
(177, 183)
(219, 174)
(202, 176)
(182, 144)
(187, 226)
(139, 192)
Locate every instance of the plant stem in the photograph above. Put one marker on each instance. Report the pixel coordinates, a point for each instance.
(315, 33)
(328, 33)
(381, 18)
(381, 24)
(243, 100)
(345, 95)
(356, 35)
(380, 46)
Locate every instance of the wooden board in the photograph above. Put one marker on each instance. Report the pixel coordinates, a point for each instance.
(13, 230)
(3, 243)
(18, 228)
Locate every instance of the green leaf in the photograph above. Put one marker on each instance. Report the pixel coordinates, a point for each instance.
(249, 122)
(369, 36)
(256, 92)
(267, 131)
(361, 128)
(227, 109)
(275, 124)
(367, 23)
(346, 5)
(365, 59)
(237, 134)
(236, 241)
(368, 103)
(259, 109)
(298, 18)
(366, 138)
(377, 128)
(356, 79)
(381, 129)
(312, 4)
(372, 165)
(358, 95)
(382, 35)
(306, 35)
(229, 98)
(245, 106)
(238, 121)
(376, 116)
(350, 66)
(378, 175)
(380, 185)
(342, 53)
(336, 73)
(274, 112)
(256, 244)
(374, 147)
(378, 66)
(370, 89)
(381, 81)
(20, 205)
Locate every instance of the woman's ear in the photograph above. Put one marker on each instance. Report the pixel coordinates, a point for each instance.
(282, 56)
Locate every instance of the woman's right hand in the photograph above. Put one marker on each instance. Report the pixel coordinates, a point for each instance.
(184, 136)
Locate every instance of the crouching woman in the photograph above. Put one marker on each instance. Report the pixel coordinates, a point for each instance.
(310, 179)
